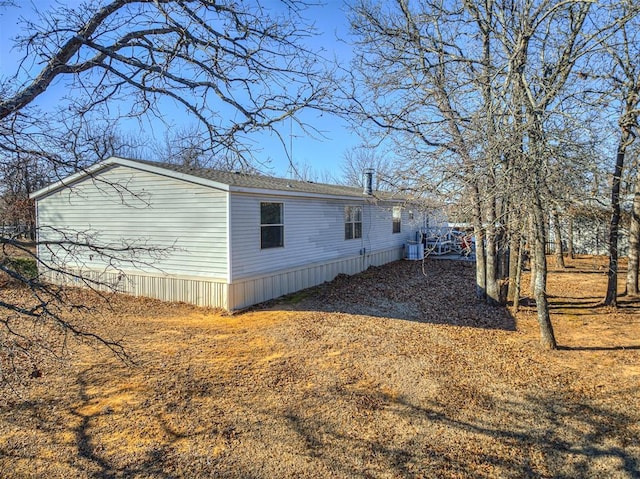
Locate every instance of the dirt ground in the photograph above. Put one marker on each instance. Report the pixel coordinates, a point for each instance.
(397, 372)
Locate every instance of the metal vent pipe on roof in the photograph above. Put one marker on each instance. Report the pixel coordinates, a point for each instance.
(368, 181)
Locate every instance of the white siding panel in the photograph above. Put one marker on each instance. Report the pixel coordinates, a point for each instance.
(185, 224)
(379, 233)
(313, 233)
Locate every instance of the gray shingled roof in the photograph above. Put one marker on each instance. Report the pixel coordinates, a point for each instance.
(244, 180)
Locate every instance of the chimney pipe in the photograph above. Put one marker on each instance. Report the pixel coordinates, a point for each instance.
(368, 181)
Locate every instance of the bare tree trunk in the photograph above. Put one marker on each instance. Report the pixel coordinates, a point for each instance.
(557, 239)
(540, 279)
(478, 231)
(504, 252)
(493, 291)
(612, 273)
(516, 247)
(634, 243)
(481, 269)
(518, 275)
(532, 262)
(570, 253)
(514, 259)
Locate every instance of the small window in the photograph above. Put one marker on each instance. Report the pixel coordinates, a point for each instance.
(397, 218)
(411, 217)
(271, 225)
(352, 222)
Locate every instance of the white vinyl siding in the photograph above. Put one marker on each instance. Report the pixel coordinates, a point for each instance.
(185, 225)
(315, 233)
(377, 228)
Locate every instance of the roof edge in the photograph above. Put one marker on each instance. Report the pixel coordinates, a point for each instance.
(148, 166)
(115, 160)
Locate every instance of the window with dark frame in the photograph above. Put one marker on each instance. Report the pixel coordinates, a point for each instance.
(271, 225)
(397, 219)
(352, 222)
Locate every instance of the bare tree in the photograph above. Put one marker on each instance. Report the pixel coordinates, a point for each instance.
(184, 146)
(304, 171)
(540, 65)
(633, 259)
(622, 50)
(476, 96)
(20, 177)
(357, 159)
(413, 86)
(237, 68)
(86, 144)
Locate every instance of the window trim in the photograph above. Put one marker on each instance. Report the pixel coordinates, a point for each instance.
(350, 219)
(271, 225)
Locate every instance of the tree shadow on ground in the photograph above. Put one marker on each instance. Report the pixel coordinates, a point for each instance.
(600, 348)
(433, 291)
(590, 311)
(531, 436)
(312, 416)
(368, 432)
(573, 270)
(575, 303)
(93, 453)
(592, 303)
(629, 305)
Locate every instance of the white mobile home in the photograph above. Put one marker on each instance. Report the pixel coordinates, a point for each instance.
(208, 237)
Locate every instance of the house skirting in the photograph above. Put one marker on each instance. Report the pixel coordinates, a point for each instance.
(217, 293)
(248, 291)
(193, 290)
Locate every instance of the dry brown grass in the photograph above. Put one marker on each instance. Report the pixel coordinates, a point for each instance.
(387, 374)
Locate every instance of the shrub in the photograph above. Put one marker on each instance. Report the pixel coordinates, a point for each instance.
(25, 266)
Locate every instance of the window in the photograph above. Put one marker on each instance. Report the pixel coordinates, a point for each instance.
(271, 225)
(397, 219)
(352, 222)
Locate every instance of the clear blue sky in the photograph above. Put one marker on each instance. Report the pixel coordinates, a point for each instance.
(322, 155)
